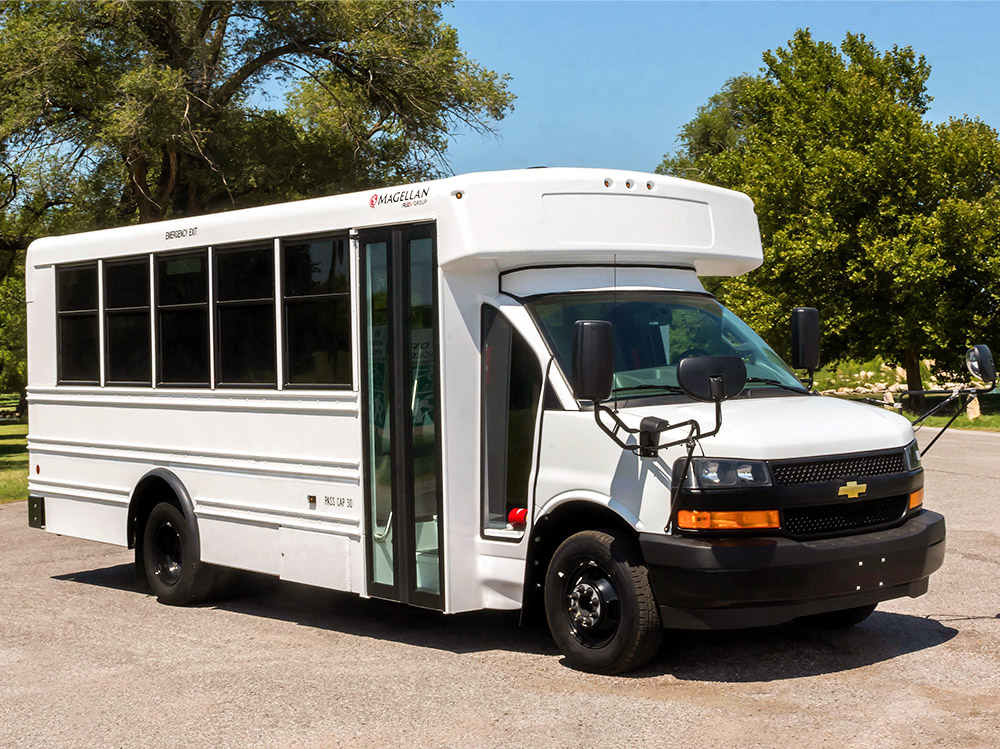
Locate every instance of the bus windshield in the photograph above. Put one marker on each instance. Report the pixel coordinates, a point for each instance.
(654, 330)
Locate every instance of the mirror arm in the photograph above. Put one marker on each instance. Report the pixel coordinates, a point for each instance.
(693, 436)
(619, 425)
(679, 482)
(970, 393)
(943, 430)
(951, 397)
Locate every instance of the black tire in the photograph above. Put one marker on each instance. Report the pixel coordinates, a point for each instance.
(599, 603)
(842, 619)
(172, 558)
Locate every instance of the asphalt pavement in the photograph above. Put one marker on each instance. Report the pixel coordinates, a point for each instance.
(89, 659)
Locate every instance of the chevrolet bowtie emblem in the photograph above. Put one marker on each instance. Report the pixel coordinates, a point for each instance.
(852, 490)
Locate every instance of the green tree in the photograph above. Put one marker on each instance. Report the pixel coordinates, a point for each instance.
(163, 100)
(884, 221)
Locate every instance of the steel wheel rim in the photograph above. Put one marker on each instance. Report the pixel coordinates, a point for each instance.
(593, 606)
(167, 557)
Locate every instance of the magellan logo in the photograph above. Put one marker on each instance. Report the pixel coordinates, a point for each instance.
(407, 198)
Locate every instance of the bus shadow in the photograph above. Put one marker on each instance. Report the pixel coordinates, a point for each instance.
(318, 608)
(788, 651)
(733, 656)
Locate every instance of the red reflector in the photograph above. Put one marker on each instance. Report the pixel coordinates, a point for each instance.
(517, 516)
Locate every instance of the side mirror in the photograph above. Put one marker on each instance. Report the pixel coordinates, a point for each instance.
(979, 360)
(712, 378)
(805, 338)
(593, 360)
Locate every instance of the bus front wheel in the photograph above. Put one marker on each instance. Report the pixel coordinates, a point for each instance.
(172, 558)
(599, 604)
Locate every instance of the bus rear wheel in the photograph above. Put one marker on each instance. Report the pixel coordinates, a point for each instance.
(599, 604)
(172, 558)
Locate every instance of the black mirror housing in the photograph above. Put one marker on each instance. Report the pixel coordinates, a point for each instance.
(712, 378)
(593, 360)
(979, 360)
(805, 338)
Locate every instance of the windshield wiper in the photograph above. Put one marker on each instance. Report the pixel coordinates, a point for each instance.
(777, 384)
(665, 388)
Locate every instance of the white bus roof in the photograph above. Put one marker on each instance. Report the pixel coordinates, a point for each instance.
(511, 219)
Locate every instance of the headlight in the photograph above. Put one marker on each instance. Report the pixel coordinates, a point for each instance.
(911, 456)
(716, 473)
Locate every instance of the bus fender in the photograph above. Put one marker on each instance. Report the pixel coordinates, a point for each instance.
(137, 501)
(558, 519)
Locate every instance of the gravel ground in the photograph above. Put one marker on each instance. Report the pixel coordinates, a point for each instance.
(88, 659)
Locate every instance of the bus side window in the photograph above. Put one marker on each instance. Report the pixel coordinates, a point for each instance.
(244, 309)
(317, 301)
(182, 319)
(511, 388)
(127, 353)
(76, 306)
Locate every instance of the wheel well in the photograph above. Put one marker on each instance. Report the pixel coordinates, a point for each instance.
(159, 485)
(151, 491)
(548, 532)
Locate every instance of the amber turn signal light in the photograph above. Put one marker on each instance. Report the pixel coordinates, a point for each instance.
(700, 520)
(917, 498)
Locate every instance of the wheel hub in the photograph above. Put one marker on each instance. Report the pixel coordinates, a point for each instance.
(585, 605)
(167, 554)
(593, 607)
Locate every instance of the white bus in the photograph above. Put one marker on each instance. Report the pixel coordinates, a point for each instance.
(493, 391)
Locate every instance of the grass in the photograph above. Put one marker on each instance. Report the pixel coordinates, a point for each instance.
(13, 462)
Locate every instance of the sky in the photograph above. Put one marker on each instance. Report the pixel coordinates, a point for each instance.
(610, 84)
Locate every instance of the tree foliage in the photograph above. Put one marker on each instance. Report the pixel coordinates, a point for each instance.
(163, 98)
(886, 222)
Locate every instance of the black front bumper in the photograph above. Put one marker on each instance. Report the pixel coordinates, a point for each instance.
(729, 583)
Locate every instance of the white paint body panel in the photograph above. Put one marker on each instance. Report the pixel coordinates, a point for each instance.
(250, 458)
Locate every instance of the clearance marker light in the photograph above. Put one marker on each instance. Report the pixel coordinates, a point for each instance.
(699, 520)
(917, 498)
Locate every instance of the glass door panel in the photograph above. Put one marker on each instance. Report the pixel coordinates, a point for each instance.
(402, 393)
(423, 410)
(379, 398)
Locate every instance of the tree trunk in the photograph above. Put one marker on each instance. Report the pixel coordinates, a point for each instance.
(911, 362)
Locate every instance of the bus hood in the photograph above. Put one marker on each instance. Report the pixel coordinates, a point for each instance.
(785, 427)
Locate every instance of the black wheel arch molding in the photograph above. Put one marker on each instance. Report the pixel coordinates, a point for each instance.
(141, 503)
(546, 534)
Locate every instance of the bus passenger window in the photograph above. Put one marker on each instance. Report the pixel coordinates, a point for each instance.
(76, 307)
(244, 317)
(317, 319)
(182, 319)
(511, 387)
(128, 355)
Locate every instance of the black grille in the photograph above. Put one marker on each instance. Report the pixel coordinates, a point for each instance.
(810, 521)
(817, 471)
